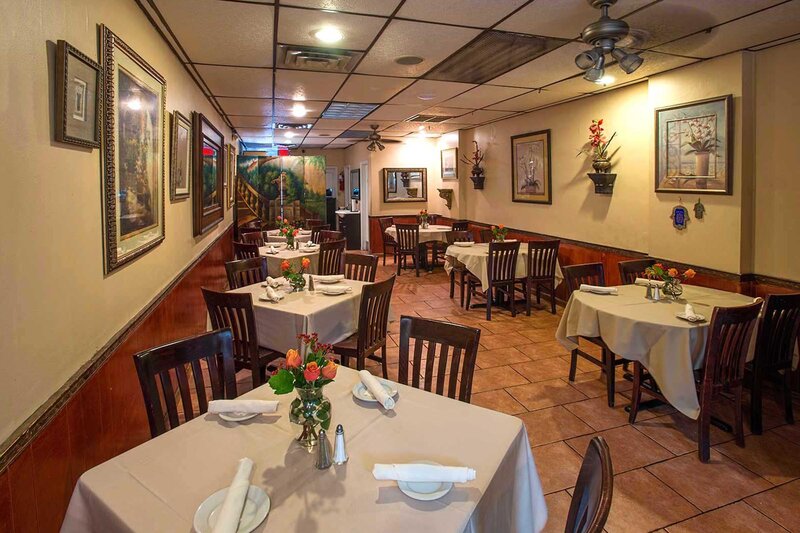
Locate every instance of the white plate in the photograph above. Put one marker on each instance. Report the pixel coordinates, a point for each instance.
(237, 417)
(425, 491)
(255, 511)
(327, 281)
(463, 244)
(361, 392)
(697, 318)
(335, 291)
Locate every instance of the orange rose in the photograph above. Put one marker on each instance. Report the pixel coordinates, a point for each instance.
(658, 265)
(285, 220)
(306, 262)
(673, 272)
(311, 373)
(285, 265)
(295, 232)
(329, 370)
(293, 359)
(689, 274)
(502, 226)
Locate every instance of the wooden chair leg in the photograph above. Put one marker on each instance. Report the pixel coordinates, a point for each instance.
(636, 392)
(462, 282)
(384, 254)
(469, 294)
(452, 283)
(573, 364)
(399, 262)
(738, 430)
(611, 376)
(756, 425)
(360, 362)
(513, 299)
(704, 433)
(528, 289)
(787, 396)
(384, 363)
(553, 298)
(489, 297)
(538, 294)
(416, 262)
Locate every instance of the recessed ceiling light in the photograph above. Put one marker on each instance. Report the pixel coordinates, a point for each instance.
(299, 110)
(289, 134)
(426, 96)
(409, 60)
(328, 34)
(421, 128)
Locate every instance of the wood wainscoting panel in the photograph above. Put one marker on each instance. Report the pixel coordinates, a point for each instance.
(22, 486)
(6, 523)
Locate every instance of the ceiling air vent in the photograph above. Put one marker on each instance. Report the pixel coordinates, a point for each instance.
(429, 118)
(354, 134)
(346, 110)
(319, 59)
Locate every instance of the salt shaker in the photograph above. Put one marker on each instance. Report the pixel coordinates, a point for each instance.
(324, 452)
(310, 283)
(339, 452)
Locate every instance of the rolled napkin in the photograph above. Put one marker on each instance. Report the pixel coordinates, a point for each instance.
(417, 473)
(649, 282)
(231, 510)
(271, 249)
(271, 295)
(688, 312)
(597, 289)
(305, 232)
(242, 406)
(328, 279)
(273, 282)
(337, 289)
(376, 389)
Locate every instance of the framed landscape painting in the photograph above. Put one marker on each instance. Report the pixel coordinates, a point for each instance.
(77, 95)
(180, 157)
(531, 181)
(694, 147)
(134, 100)
(209, 166)
(230, 173)
(449, 161)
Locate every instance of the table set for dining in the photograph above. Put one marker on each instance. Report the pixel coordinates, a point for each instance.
(275, 236)
(277, 252)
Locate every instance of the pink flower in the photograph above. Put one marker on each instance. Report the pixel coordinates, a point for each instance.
(312, 371)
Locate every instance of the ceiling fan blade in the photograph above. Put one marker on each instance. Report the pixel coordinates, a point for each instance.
(636, 39)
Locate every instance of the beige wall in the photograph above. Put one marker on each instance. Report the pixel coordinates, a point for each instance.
(58, 307)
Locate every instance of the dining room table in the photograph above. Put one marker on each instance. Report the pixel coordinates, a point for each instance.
(276, 253)
(159, 485)
(274, 236)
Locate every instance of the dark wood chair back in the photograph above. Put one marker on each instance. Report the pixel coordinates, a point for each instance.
(373, 315)
(312, 223)
(486, 235)
(726, 348)
(777, 333)
(327, 235)
(450, 349)
(157, 366)
(250, 229)
(316, 230)
(503, 261)
(632, 269)
(386, 223)
(461, 225)
(591, 500)
(243, 250)
(542, 259)
(331, 257)
(246, 272)
(458, 236)
(588, 273)
(407, 237)
(360, 267)
(253, 237)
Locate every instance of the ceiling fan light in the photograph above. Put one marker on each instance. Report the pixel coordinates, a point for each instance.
(630, 62)
(618, 54)
(587, 59)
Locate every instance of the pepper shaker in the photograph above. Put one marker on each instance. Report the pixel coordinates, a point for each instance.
(340, 456)
(324, 452)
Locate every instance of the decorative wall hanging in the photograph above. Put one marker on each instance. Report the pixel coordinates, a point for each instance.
(699, 210)
(475, 161)
(180, 161)
(530, 168)
(77, 97)
(405, 185)
(134, 99)
(694, 147)
(680, 217)
(597, 147)
(449, 162)
(447, 196)
(209, 167)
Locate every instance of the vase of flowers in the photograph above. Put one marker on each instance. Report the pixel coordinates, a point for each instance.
(296, 278)
(307, 375)
(499, 233)
(702, 143)
(671, 277)
(597, 147)
(475, 161)
(423, 219)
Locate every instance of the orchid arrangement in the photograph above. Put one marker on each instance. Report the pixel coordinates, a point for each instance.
(475, 159)
(499, 232)
(316, 369)
(598, 145)
(668, 274)
(702, 136)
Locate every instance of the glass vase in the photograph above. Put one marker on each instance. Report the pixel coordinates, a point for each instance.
(673, 289)
(309, 410)
(297, 282)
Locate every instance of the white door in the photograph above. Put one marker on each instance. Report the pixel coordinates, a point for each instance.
(364, 203)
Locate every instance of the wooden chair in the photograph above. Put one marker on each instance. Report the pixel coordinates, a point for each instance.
(486, 235)
(501, 269)
(235, 311)
(373, 322)
(253, 237)
(777, 337)
(312, 223)
(461, 225)
(316, 230)
(541, 269)
(243, 250)
(458, 267)
(246, 272)
(157, 366)
(591, 499)
(360, 267)
(723, 371)
(327, 235)
(331, 257)
(407, 245)
(592, 274)
(630, 270)
(450, 349)
(388, 240)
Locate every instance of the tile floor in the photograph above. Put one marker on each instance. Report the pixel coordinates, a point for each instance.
(659, 484)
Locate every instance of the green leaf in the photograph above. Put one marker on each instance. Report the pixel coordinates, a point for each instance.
(282, 382)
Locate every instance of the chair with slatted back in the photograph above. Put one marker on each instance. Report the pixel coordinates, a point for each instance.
(777, 337)
(591, 499)
(373, 323)
(461, 225)
(210, 358)
(486, 235)
(630, 270)
(312, 223)
(501, 270)
(331, 257)
(457, 267)
(250, 227)
(407, 246)
(235, 311)
(388, 240)
(316, 230)
(443, 358)
(328, 235)
(360, 267)
(243, 250)
(253, 237)
(592, 274)
(541, 272)
(246, 272)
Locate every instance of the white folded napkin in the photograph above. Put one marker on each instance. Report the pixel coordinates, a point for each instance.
(305, 232)
(649, 282)
(597, 289)
(242, 406)
(271, 295)
(271, 249)
(273, 282)
(326, 279)
(688, 312)
(231, 510)
(336, 289)
(423, 473)
(310, 244)
(376, 389)
(274, 232)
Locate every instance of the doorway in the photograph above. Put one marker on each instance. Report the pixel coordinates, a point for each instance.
(365, 200)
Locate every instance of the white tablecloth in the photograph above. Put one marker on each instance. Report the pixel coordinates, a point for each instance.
(476, 259)
(156, 487)
(275, 236)
(430, 234)
(649, 332)
(294, 256)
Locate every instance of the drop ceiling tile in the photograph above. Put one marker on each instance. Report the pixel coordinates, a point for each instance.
(246, 106)
(544, 70)
(481, 13)
(442, 111)
(432, 128)
(333, 124)
(770, 24)
(395, 112)
(562, 18)
(374, 7)
(308, 122)
(366, 124)
(430, 92)
(431, 42)
(237, 81)
(371, 89)
(255, 133)
(239, 121)
(303, 85)
(534, 100)
(245, 29)
(313, 109)
(483, 95)
(320, 140)
(296, 26)
(319, 132)
(479, 117)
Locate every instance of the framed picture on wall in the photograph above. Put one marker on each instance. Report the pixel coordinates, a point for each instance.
(77, 97)
(694, 147)
(134, 109)
(531, 180)
(449, 160)
(180, 158)
(230, 173)
(209, 178)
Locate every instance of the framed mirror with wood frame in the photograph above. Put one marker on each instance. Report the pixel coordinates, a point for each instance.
(209, 174)
(405, 185)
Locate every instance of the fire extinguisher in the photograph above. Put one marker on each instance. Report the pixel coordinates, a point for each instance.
(341, 181)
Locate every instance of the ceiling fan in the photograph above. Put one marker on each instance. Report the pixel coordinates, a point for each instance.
(607, 36)
(375, 140)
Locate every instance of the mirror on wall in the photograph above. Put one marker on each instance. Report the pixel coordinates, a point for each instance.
(405, 185)
(355, 184)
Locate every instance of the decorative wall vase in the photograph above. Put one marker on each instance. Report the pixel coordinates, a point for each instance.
(447, 196)
(603, 182)
(601, 164)
(477, 177)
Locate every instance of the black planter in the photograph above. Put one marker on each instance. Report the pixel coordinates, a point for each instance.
(477, 180)
(603, 182)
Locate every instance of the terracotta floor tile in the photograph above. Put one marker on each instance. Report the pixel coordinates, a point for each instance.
(558, 466)
(583, 365)
(545, 394)
(598, 414)
(629, 448)
(500, 357)
(553, 424)
(495, 328)
(780, 504)
(769, 455)
(677, 432)
(557, 510)
(495, 378)
(538, 334)
(738, 517)
(711, 485)
(593, 384)
(543, 369)
(498, 400)
(543, 350)
(505, 340)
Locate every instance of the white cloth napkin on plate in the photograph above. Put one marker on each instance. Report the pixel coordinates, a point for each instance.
(305, 232)
(271, 249)
(273, 282)
(231, 510)
(688, 312)
(423, 473)
(651, 282)
(242, 406)
(597, 289)
(335, 290)
(271, 295)
(376, 389)
(327, 279)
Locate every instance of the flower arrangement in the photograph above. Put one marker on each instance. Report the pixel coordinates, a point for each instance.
(475, 161)
(423, 218)
(296, 279)
(287, 230)
(702, 138)
(671, 277)
(499, 233)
